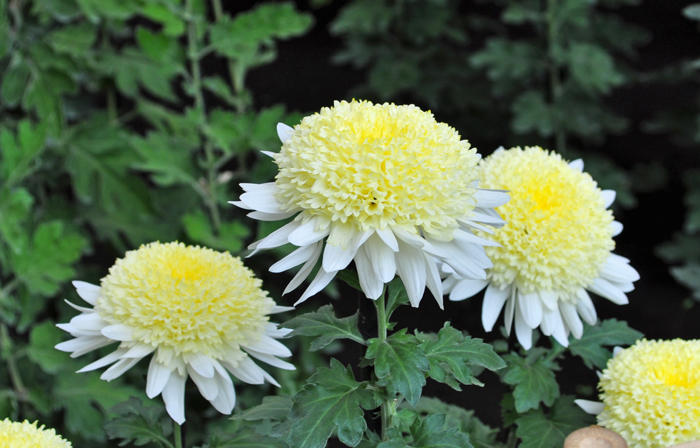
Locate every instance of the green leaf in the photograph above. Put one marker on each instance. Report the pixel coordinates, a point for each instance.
(160, 47)
(173, 25)
(97, 10)
(168, 159)
(396, 296)
(331, 399)
(138, 424)
(450, 352)
(75, 40)
(41, 351)
(531, 113)
(19, 155)
(540, 430)
(14, 210)
(243, 437)
(400, 363)
(325, 326)
(688, 276)
(14, 81)
(533, 379)
(272, 408)
(47, 263)
(593, 68)
(430, 432)
(230, 236)
(610, 332)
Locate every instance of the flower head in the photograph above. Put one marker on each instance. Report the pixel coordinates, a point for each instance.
(556, 243)
(651, 393)
(384, 185)
(25, 434)
(200, 312)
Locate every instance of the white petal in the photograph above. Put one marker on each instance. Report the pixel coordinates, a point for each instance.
(174, 397)
(617, 350)
(119, 368)
(269, 154)
(617, 228)
(487, 198)
(570, 316)
(469, 238)
(280, 309)
(389, 239)
(522, 330)
(530, 307)
(272, 330)
(338, 255)
(585, 307)
(201, 363)
(432, 280)
(309, 233)
(226, 398)
(270, 346)
(269, 359)
(118, 332)
(139, 351)
(246, 370)
(284, 132)
(83, 344)
(494, 299)
(381, 257)
(608, 197)
(410, 266)
(371, 285)
(299, 256)
(82, 309)
(277, 238)
(261, 197)
(618, 271)
(87, 291)
(576, 164)
(465, 288)
(605, 289)
(104, 361)
(549, 299)
(510, 309)
(559, 330)
(449, 283)
(88, 322)
(208, 386)
(240, 204)
(270, 379)
(590, 407)
(462, 263)
(76, 332)
(158, 376)
(266, 216)
(306, 269)
(321, 280)
(549, 321)
(484, 218)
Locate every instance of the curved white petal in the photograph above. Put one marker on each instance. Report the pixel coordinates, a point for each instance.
(269, 359)
(201, 363)
(139, 351)
(246, 370)
(530, 307)
(464, 288)
(274, 331)
(299, 256)
(119, 368)
(118, 332)
(83, 344)
(266, 216)
(510, 309)
(261, 197)
(432, 280)
(608, 197)
(77, 333)
(104, 361)
(619, 271)
(88, 322)
(269, 346)
(157, 378)
(226, 398)
(208, 386)
(571, 318)
(585, 307)
(522, 330)
(306, 269)
(87, 291)
(494, 299)
(449, 283)
(576, 164)
(559, 330)
(309, 232)
(389, 239)
(467, 237)
(280, 309)
(337, 256)
(284, 132)
(410, 266)
(381, 257)
(465, 265)
(605, 289)
(319, 282)
(277, 238)
(487, 198)
(617, 228)
(550, 299)
(371, 285)
(590, 407)
(82, 309)
(174, 397)
(549, 321)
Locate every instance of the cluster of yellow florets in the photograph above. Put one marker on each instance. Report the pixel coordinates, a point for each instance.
(558, 233)
(651, 393)
(377, 166)
(26, 435)
(185, 299)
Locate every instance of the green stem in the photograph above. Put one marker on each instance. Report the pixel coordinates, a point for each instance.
(193, 49)
(13, 371)
(388, 408)
(555, 75)
(177, 434)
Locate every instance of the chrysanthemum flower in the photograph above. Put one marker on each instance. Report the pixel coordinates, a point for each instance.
(556, 245)
(198, 311)
(384, 185)
(651, 394)
(25, 435)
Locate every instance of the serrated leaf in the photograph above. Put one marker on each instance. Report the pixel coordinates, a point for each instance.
(169, 161)
(534, 382)
(47, 263)
(159, 46)
(591, 346)
(14, 210)
(593, 68)
(75, 40)
(272, 408)
(449, 352)
(19, 152)
(14, 81)
(325, 327)
(332, 399)
(400, 363)
(531, 113)
(173, 25)
(42, 340)
(540, 430)
(430, 432)
(138, 424)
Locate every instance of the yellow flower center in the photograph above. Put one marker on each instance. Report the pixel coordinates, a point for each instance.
(25, 434)
(377, 166)
(558, 233)
(651, 393)
(185, 299)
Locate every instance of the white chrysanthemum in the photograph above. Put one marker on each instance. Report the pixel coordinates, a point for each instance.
(28, 435)
(650, 393)
(386, 186)
(200, 312)
(556, 245)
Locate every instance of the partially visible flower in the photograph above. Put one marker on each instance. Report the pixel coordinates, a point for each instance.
(384, 185)
(651, 393)
(556, 244)
(28, 435)
(200, 312)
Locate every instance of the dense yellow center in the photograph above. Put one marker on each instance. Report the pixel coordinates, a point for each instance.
(377, 166)
(185, 299)
(651, 393)
(28, 435)
(558, 233)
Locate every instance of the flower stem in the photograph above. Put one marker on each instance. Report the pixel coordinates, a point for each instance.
(388, 408)
(177, 434)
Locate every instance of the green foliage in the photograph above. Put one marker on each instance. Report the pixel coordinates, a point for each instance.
(540, 429)
(591, 346)
(138, 424)
(533, 378)
(430, 432)
(325, 326)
